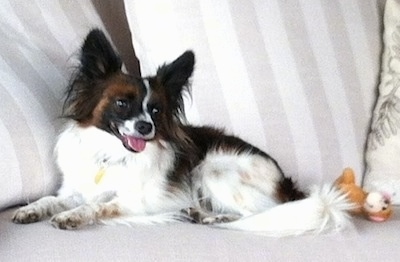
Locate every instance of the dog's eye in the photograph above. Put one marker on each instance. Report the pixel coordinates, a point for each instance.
(154, 110)
(122, 103)
(122, 106)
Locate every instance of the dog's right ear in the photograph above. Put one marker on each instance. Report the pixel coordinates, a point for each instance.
(98, 58)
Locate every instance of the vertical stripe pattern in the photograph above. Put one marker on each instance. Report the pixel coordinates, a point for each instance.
(39, 42)
(297, 78)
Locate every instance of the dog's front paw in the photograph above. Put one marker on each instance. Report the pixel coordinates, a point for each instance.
(27, 214)
(69, 220)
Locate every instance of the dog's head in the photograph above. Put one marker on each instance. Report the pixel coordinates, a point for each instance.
(136, 110)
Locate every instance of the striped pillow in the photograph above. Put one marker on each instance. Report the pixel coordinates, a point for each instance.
(37, 40)
(295, 78)
(383, 152)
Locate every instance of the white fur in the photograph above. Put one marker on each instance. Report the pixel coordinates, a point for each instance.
(237, 183)
(324, 210)
(138, 180)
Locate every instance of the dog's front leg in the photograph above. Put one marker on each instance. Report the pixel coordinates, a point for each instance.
(45, 207)
(86, 214)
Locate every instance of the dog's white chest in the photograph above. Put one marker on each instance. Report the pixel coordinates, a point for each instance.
(131, 178)
(93, 162)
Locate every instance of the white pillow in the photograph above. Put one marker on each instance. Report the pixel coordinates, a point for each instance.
(295, 78)
(383, 152)
(38, 40)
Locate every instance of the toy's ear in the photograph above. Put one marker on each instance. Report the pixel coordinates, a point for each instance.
(347, 177)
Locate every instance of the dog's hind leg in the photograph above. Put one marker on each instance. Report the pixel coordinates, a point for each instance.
(238, 183)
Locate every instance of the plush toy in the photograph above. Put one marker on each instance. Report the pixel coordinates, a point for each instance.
(373, 205)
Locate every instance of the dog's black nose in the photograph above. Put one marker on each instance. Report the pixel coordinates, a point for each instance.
(143, 127)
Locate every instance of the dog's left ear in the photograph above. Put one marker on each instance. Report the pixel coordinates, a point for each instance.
(175, 76)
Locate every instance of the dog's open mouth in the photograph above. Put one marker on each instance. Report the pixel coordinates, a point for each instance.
(132, 143)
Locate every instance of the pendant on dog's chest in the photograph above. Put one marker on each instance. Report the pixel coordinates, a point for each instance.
(99, 175)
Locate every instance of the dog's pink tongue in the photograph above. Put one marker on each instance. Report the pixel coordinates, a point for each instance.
(136, 144)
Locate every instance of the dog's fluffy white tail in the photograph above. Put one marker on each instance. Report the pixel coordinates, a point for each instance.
(324, 210)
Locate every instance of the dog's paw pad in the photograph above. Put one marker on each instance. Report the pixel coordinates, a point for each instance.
(26, 215)
(69, 222)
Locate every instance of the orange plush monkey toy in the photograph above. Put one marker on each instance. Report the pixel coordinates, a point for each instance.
(374, 205)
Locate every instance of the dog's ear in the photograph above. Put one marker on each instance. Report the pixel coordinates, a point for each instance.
(98, 58)
(174, 77)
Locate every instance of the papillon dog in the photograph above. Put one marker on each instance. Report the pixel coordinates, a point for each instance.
(127, 155)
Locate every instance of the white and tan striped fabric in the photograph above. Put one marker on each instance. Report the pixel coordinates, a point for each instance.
(297, 78)
(38, 42)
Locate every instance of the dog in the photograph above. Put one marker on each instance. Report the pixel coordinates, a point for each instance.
(127, 155)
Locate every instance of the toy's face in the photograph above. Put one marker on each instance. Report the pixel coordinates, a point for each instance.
(376, 202)
(377, 207)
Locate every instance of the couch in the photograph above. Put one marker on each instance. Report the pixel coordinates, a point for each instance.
(312, 82)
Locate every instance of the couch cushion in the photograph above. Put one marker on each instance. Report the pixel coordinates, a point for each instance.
(38, 40)
(367, 241)
(383, 152)
(295, 78)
